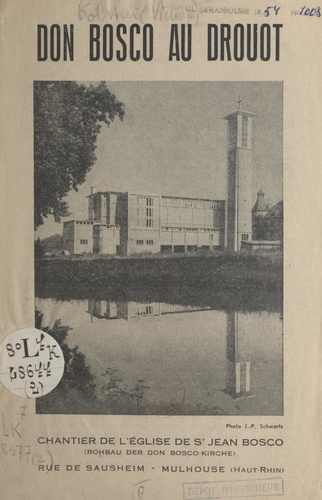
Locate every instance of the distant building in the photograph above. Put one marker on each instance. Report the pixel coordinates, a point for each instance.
(274, 220)
(260, 208)
(267, 222)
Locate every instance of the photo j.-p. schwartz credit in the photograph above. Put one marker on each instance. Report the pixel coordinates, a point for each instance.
(155, 344)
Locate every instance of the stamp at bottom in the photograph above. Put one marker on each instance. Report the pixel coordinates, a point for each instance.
(232, 489)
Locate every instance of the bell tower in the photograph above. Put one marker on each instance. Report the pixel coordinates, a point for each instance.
(238, 357)
(239, 178)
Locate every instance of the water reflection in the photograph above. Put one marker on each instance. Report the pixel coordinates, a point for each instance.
(238, 371)
(158, 359)
(129, 310)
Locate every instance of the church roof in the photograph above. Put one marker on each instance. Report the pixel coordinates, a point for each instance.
(275, 211)
(260, 205)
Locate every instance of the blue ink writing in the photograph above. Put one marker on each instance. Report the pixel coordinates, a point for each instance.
(269, 10)
(307, 11)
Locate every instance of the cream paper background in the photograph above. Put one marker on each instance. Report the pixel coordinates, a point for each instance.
(300, 69)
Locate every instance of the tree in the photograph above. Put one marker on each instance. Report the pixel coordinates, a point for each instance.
(260, 228)
(54, 243)
(77, 374)
(39, 249)
(68, 117)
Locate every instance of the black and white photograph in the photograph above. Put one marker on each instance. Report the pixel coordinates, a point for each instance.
(159, 245)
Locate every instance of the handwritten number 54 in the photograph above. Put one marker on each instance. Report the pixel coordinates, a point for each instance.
(271, 10)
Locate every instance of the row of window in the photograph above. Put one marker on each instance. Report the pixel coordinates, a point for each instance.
(143, 310)
(144, 213)
(141, 242)
(143, 222)
(174, 202)
(190, 229)
(85, 223)
(146, 201)
(84, 242)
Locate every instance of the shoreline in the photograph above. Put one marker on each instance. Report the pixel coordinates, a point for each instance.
(231, 281)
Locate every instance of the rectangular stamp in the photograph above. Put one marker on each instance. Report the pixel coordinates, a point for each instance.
(233, 489)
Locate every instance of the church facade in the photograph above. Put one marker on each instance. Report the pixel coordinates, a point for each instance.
(128, 223)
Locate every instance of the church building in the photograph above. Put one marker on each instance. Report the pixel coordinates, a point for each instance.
(127, 223)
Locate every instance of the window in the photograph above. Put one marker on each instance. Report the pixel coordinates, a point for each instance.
(144, 211)
(139, 242)
(84, 242)
(232, 138)
(244, 131)
(149, 212)
(244, 237)
(143, 310)
(149, 242)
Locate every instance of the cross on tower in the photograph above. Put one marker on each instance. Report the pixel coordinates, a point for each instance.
(239, 102)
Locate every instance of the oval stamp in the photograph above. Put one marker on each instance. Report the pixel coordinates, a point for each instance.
(31, 363)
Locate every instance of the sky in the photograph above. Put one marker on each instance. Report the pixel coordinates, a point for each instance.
(173, 141)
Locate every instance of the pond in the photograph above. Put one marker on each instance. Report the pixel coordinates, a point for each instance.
(158, 358)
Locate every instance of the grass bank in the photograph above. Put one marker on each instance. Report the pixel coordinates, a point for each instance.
(231, 281)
